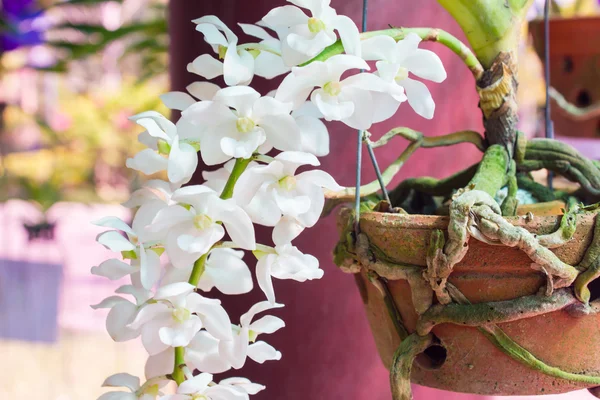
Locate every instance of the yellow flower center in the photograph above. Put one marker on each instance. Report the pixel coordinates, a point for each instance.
(181, 314)
(287, 183)
(315, 25)
(163, 147)
(199, 397)
(245, 125)
(202, 221)
(254, 52)
(332, 88)
(129, 254)
(402, 74)
(252, 335)
(222, 51)
(152, 390)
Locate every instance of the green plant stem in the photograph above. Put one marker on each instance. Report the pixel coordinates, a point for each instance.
(198, 270)
(178, 375)
(429, 34)
(491, 26)
(240, 166)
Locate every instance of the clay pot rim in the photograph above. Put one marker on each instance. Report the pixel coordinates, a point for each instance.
(421, 221)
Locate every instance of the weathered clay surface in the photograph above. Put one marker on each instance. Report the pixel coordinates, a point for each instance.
(487, 273)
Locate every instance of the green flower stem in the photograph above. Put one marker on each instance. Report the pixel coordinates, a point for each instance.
(429, 34)
(240, 166)
(198, 270)
(178, 375)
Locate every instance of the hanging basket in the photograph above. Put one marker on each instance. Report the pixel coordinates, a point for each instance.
(559, 333)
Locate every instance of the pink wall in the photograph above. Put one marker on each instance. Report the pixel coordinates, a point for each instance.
(328, 351)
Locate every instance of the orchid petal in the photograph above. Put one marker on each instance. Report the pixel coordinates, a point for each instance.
(261, 352)
(206, 66)
(148, 162)
(203, 90)
(113, 269)
(177, 100)
(115, 241)
(419, 97)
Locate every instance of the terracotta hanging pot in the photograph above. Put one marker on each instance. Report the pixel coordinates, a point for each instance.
(556, 333)
(574, 72)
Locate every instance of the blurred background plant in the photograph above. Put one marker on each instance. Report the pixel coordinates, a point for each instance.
(65, 136)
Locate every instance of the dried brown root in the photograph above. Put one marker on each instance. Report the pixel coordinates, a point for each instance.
(422, 295)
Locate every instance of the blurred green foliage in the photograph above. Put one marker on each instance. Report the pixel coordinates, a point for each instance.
(82, 157)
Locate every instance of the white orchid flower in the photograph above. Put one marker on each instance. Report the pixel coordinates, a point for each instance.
(224, 269)
(266, 64)
(193, 226)
(244, 342)
(348, 100)
(138, 246)
(272, 191)
(163, 139)
(149, 391)
(177, 315)
(123, 312)
(203, 354)
(153, 190)
(237, 66)
(242, 384)
(286, 263)
(201, 387)
(254, 121)
(304, 37)
(395, 60)
(208, 353)
(313, 132)
(195, 91)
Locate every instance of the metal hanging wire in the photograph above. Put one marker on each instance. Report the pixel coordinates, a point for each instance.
(360, 138)
(549, 126)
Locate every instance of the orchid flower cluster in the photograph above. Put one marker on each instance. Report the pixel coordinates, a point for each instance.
(175, 250)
